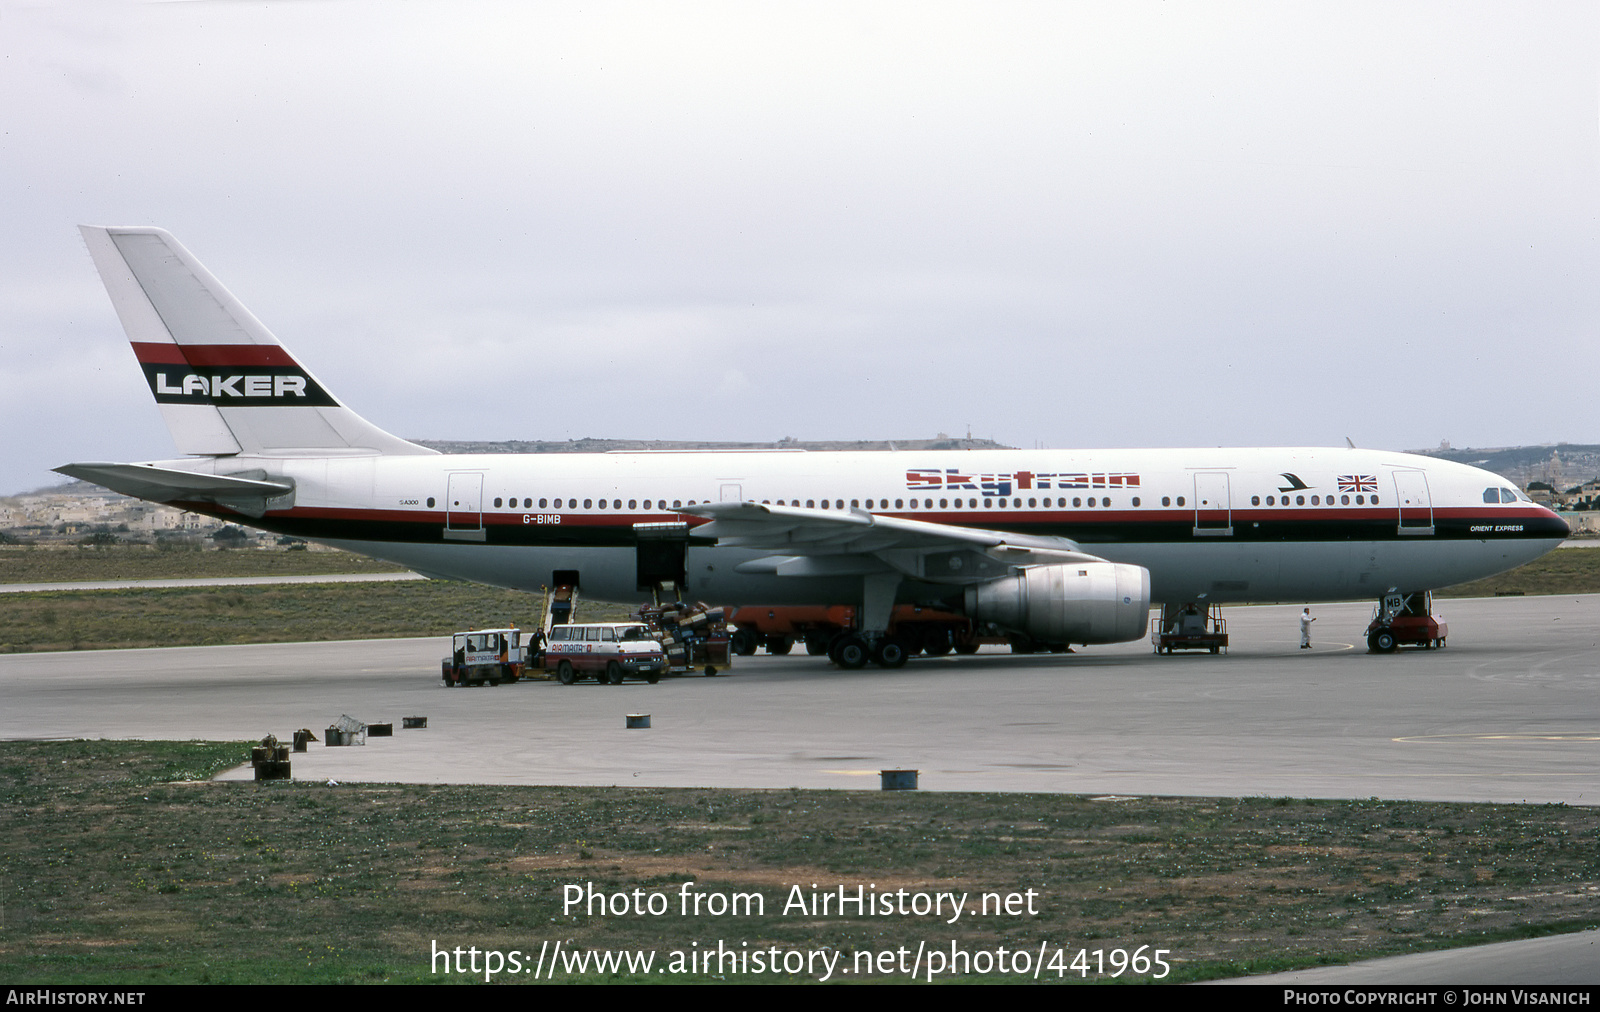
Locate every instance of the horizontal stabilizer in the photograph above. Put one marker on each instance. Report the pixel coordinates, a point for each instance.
(162, 484)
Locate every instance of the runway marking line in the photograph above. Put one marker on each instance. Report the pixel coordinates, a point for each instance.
(1492, 737)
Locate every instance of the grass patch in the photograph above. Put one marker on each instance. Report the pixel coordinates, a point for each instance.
(1563, 571)
(200, 616)
(33, 564)
(112, 873)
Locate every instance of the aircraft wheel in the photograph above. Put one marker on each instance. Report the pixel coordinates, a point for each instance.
(614, 673)
(966, 649)
(816, 646)
(779, 645)
(890, 653)
(938, 647)
(852, 653)
(743, 642)
(565, 673)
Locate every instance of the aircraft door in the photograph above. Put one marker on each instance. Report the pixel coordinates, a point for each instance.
(662, 555)
(1213, 510)
(464, 507)
(1414, 502)
(730, 493)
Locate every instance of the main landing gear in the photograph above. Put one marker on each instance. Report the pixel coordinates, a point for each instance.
(852, 650)
(1405, 620)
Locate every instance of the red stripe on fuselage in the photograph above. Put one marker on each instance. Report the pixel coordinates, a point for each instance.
(211, 356)
(994, 520)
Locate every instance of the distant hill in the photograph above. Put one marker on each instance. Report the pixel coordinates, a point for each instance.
(589, 445)
(1561, 466)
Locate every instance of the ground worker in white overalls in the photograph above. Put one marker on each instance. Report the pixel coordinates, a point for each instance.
(1305, 629)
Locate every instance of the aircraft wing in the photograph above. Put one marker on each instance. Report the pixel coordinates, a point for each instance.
(812, 542)
(164, 484)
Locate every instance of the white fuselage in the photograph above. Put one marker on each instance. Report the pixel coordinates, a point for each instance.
(1258, 524)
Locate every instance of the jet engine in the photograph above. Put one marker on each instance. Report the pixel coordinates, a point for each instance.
(1090, 602)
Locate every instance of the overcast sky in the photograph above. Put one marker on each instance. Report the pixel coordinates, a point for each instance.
(1060, 224)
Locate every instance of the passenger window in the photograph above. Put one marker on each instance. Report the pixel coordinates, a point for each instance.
(988, 503)
(1344, 500)
(1315, 501)
(496, 502)
(838, 504)
(1077, 501)
(1180, 500)
(1136, 500)
(608, 635)
(811, 504)
(1361, 500)
(1299, 500)
(1166, 500)
(1105, 501)
(631, 503)
(854, 503)
(898, 504)
(1091, 502)
(943, 503)
(602, 504)
(677, 503)
(1271, 501)
(1374, 500)
(1255, 500)
(1002, 503)
(588, 504)
(430, 502)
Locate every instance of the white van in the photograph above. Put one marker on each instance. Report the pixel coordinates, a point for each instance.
(609, 650)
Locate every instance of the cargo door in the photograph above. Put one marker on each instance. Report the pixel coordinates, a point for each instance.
(661, 555)
(1414, 502)
(1213, 512)
(464, 507)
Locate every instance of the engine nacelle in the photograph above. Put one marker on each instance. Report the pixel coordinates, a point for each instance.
(1086, 602)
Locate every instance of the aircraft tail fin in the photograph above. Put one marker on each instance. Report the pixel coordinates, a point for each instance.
(223, 383)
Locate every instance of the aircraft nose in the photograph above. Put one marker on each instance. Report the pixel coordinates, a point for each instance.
(1561, 526)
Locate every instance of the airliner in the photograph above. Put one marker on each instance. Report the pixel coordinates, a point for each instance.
(1063, 546)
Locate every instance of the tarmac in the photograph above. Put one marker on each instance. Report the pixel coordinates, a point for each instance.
(1509, 711)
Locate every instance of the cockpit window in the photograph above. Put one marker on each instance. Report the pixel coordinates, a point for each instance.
(1491, 495)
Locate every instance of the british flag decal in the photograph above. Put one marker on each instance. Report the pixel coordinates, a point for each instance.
(1357, 483)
